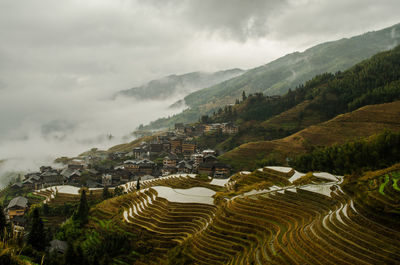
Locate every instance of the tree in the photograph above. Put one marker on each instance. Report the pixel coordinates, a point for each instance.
(244, 96)
(37, 236)
(106, 193)
(204, 119)
(3, 222)
(83, 209)
(118, 191)
(138, 185)
(74, 255)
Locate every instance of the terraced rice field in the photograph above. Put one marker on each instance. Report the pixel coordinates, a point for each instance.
(309, 224)
(277, 223)
(59, 195)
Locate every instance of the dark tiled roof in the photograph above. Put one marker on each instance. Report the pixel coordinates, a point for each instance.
(58, 245)
(18, 201)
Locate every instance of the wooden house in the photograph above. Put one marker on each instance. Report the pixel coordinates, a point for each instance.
(17, 207)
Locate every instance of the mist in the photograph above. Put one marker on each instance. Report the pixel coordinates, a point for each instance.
(51, 124)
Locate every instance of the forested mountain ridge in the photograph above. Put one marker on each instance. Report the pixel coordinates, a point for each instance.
(174, 85)
(373, 81)
(363, 122)
(286, 72)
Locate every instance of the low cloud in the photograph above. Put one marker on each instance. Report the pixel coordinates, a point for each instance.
(58, 124)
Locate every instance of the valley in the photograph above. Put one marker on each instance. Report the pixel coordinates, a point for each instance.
(293, 162)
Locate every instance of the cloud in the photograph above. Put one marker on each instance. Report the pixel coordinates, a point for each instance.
(235, 19)
(312, 21)
(63, 124)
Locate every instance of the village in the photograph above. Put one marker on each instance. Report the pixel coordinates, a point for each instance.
(172, 152)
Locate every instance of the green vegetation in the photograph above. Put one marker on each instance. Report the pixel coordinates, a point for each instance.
(81, 215)
(376, 195)
(396, 178)
(179, 84)
(37, 236)
(256, 180)
(262, 118)
(287, 72)
(382, 186)
(3, 222)
(373, 153)
(106, 193)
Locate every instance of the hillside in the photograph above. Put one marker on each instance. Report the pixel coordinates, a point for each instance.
(363, 122)
(260, 117)
(273, 215)
(179, 85)
(286, 72)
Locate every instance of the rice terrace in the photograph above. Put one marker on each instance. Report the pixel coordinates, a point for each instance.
(290, 218)
(200, 132)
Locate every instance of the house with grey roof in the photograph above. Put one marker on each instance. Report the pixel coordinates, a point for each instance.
(17, 207)
(58, 246)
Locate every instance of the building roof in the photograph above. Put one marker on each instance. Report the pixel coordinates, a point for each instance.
(206, 165)
(93, 171)
(76, 172)
(206, 157)
(17, 185)
(35, 178)
(49, 174)
(93, 184)
(27, 181)
(58, 245)
(208, 151)
(18, 202)
(67, 172)
(147, 177)
(146, 161)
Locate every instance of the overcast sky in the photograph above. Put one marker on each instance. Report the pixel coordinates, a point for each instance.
(60, 60)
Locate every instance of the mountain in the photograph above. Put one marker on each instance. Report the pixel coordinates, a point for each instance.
(286, 72)
(182, 85)
(363, 122)
(373, 81)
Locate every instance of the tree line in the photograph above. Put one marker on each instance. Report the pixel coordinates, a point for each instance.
(377, 152)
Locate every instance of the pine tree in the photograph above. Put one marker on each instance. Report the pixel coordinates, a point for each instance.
(83, 209)
(138, 185)
(37, 236)
(106, 193)
(244, 96)
(3, 222)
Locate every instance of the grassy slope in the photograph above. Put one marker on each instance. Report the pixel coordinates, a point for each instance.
(363, 122)
(286, 72)
(375, 193)
(129, 146)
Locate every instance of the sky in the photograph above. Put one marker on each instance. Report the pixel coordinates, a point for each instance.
(61, 61)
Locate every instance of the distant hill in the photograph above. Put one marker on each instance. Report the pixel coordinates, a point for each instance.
(363, 122)
(286, 72)
(181, 85)
(373, 81)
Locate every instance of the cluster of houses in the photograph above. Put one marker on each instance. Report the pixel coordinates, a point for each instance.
(173, 152)
(170, 153)
(200, 129)
(15, 213)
